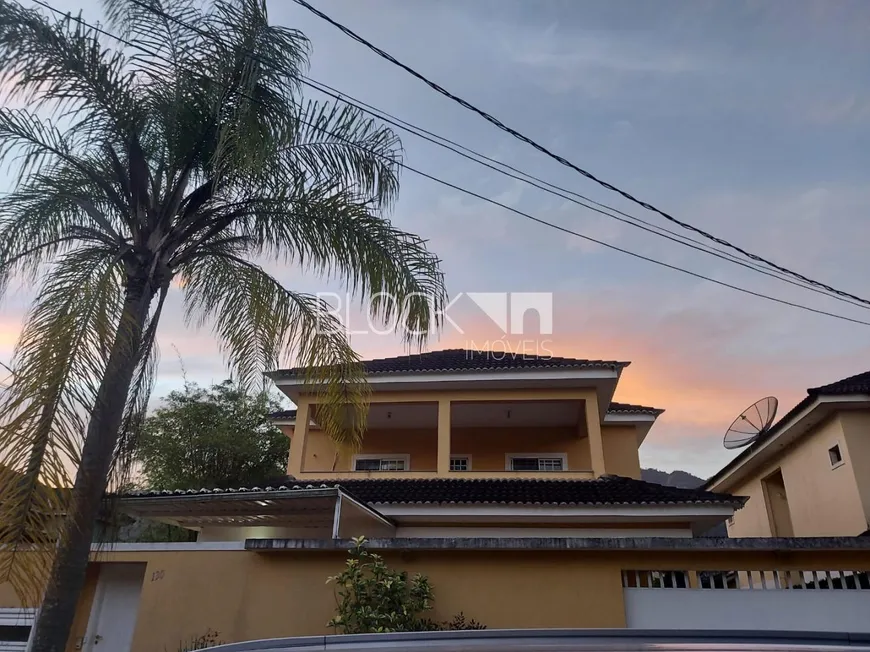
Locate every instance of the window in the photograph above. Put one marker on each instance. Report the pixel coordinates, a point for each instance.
(381, 463)
(547, 462)
(835, 456)
(15, 628)
(460, 463)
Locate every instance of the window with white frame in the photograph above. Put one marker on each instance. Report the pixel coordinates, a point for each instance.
(15, 627)
(381, 463)
(537, 462)
(460, 462)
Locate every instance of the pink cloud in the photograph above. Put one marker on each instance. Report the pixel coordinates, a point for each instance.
(703, 366)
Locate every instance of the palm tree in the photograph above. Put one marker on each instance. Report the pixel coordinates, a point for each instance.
(183, 163)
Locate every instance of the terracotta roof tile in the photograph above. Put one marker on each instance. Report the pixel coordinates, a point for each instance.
(613, 408)
(858, 384)
(468, 360)
(628, 408)
(607, 490)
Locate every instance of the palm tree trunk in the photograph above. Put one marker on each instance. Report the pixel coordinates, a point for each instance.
(54, 623)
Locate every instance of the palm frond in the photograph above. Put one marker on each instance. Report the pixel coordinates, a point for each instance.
(62, 350)
(259, 323)
(146, 23)
(330, 234)
(338, 144)
(63, 63)
(56, 210)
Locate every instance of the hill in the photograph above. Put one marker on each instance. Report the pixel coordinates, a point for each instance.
(680, 479)
(683, 480)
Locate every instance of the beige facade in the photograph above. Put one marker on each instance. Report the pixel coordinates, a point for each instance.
(821, 499)
(856, 431)
(810, 475)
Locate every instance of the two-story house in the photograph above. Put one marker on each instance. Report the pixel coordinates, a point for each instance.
(512, 482)
(470, 443)
(809, 475)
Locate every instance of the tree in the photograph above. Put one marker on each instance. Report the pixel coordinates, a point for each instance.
(185, 161)
(220, 437)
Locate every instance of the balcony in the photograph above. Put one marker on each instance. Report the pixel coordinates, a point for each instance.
(459, 439)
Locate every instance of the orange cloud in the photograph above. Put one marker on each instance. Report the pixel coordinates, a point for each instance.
(698, 365)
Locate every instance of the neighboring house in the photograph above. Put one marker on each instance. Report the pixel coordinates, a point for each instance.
(809, 475)
(512, 482)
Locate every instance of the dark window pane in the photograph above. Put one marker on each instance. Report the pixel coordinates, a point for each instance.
(368, 465)
(524, 463)
(14, 633)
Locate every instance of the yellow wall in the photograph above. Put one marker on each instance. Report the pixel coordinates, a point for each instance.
(620, 451)
(487, 447)
(583, 443)
(856, 427)
(245, 595)
(8, 597)
(822, 501)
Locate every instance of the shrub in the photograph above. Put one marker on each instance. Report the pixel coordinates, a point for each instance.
(201, 642)
(371, 597)
(374, 598)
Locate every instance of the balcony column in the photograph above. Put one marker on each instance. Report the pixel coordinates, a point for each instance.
(299, 440)
(593, 429)
(443, 467)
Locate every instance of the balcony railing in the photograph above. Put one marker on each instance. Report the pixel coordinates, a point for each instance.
(554, 475)
(753, 580)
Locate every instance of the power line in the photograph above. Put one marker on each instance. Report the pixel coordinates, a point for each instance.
(626, 251)
(808, 284)
(559, 191)
(477, 195)
(532, 180)
(516, 134)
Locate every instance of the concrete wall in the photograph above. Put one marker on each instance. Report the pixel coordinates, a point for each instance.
(822, 501)
(246, 595)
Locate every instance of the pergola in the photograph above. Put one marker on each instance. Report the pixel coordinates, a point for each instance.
(315, 512)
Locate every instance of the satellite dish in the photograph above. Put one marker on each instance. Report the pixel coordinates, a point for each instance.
(753, 422)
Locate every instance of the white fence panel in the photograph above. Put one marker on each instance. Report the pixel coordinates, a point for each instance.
(796, 610)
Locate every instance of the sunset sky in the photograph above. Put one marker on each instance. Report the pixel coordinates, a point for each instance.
(748, 119)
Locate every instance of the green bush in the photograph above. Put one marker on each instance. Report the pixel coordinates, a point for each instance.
(371, 597)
